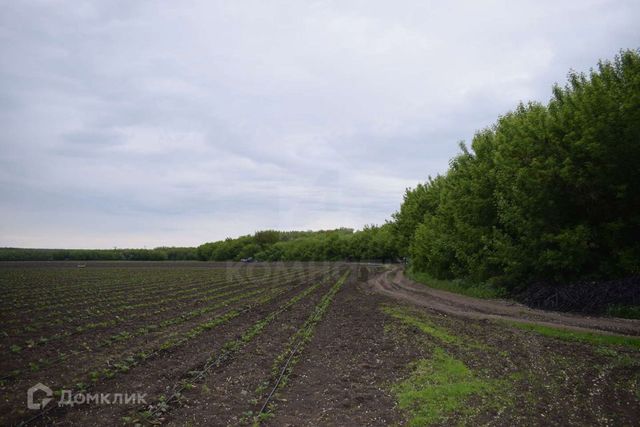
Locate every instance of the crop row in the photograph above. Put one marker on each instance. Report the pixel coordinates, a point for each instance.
(126, 361)
(229, 350)
(97, 302)
(58, 284)
(176, 341)
(177, 319)
(71, 318)
(123, 337)
(284, 363)
(124, 334)
(108, 289)
(104, 292)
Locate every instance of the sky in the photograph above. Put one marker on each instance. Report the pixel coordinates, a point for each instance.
(160, 123)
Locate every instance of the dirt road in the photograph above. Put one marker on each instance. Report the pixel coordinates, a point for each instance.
(395, 284)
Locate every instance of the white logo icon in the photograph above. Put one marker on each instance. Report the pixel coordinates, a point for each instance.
(44, 401)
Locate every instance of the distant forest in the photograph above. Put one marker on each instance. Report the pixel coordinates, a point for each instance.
(371, 243)
(548, 193)
(157, 254)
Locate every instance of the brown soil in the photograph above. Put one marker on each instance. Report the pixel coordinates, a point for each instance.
(155, 377)
(226, 393)
(345, 375)
(93, 339)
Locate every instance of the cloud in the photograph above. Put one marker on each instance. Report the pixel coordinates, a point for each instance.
(163, 123)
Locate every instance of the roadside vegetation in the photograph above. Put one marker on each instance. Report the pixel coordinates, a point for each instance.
(580, 336)
(626, 311)
(459, 286)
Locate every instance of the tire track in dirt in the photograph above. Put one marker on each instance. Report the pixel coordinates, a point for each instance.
(395, 284)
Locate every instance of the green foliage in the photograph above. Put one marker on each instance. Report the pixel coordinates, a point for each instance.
(439, 387)
(420, 323)
(458, 286)
(157, 254)
(376, 243)
(417, 202)
(371, 243)
(547, 193)
(625, 311)
(584, 337)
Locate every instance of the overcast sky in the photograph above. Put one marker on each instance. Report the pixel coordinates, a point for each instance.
(135, 123)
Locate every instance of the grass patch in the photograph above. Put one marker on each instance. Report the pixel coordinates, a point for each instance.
(584, 337)
(458, 286)
(409, 319)
(439, 387)
(624, 311)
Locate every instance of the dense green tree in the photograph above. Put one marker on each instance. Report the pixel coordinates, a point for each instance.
(547, 193)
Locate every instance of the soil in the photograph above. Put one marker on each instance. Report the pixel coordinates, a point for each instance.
(347, 373)
(343, 377)
(154, 372)
(226, 394)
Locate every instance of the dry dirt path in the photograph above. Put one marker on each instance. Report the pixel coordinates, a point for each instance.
(395, 284)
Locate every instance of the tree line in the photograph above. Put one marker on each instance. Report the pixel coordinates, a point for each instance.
(156, 254)
(548, 193)
(371, 243)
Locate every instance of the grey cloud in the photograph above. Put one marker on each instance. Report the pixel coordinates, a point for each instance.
(150, 123)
